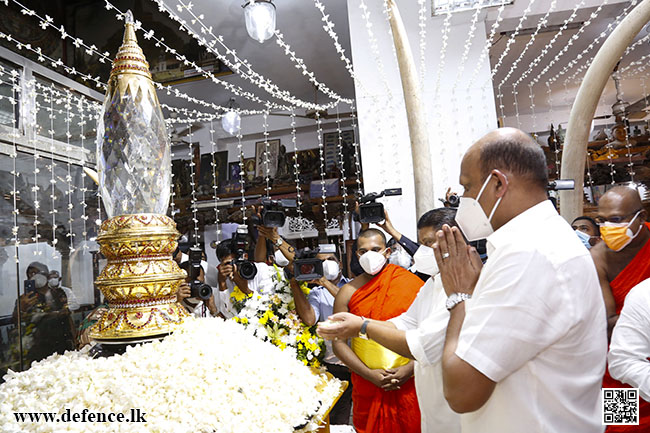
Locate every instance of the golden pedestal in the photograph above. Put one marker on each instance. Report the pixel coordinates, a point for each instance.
(140, 280)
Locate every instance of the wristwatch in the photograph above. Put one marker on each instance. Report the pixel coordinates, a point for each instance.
(456, 298)
(279, 242)
(362, 332)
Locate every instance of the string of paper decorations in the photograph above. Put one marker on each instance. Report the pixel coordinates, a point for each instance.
(237, 64)
(14, 172)
(215, 181)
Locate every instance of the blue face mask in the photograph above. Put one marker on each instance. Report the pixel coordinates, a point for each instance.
(584, 237)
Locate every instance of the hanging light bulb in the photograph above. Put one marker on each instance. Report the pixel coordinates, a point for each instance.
(260, 19)
(231, 121)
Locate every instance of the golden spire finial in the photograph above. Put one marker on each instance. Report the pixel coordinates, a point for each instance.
(130, 58)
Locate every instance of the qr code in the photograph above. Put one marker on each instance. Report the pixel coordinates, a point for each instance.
(620, 406)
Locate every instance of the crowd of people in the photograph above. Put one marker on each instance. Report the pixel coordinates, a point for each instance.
(502, 317)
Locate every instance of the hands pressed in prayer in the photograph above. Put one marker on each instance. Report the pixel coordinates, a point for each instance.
(340, 326)
(460, 265)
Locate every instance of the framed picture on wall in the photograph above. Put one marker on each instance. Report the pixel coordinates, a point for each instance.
(249, 168)
(233, 171)
(260, 157)
(331, 152)
(206, 177)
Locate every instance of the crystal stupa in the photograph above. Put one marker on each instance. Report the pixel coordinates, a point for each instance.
(140, 279)
(133, 151)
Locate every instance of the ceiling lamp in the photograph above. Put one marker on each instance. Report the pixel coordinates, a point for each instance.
(260, 19)
(231, 121)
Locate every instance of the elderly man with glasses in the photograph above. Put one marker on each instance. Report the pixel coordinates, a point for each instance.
(622, 261)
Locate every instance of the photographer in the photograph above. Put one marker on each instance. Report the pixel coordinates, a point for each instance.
(196, 307)
(230, 276)
(284, 254)
(317, 307)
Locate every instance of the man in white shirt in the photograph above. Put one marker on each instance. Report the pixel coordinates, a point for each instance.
(229, 277)
(418, 333)
(527, 352)
(630, 346)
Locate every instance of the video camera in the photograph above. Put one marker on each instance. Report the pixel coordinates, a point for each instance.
(370, 211)
(561, 185)
(306, 266)
(198, 289)
(273, 212)
(239, 247)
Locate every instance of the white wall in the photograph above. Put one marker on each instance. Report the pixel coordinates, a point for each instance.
(456, 119)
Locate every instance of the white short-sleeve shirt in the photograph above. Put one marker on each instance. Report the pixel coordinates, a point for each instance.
(536, 325)
(261, 283)
(630, 347)
(425, 323)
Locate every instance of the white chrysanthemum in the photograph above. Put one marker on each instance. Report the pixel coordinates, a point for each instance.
(210, 375)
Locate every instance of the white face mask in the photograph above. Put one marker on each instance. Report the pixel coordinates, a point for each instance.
(425, 261)
(280, 259)
(401, 258)
(40, 280)
(54, 282)
(372, 262)
(471, 218)
(331, 270)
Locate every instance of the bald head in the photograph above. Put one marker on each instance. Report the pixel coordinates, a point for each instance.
(619, 202)
(371, 233)
(622, 196)
(513, 151)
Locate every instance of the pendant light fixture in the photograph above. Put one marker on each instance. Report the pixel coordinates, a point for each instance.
(260, 19)
(231, 121)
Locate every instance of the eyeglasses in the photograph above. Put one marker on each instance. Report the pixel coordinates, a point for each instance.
(616, 219)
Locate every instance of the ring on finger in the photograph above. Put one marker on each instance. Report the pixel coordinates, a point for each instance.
(445, 255)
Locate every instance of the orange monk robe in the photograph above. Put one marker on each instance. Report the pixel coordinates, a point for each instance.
(635, 272)
(387, 295)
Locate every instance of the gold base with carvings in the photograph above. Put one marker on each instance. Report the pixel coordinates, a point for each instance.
(140, 280)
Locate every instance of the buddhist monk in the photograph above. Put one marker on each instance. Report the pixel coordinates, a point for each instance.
(383, 393)
(622, 261)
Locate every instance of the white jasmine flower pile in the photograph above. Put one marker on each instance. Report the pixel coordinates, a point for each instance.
(209, 376)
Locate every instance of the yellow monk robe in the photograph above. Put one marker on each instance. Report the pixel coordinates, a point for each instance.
(387, 295)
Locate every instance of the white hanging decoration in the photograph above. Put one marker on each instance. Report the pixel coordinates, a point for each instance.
(53, 210)
(511, 39)
(231, 120)
(570, 43)
(541, 23)
(321, 155)
(238, 65)
(215, 182)
(296, 165)
(15, 88)
(103, 58)
(344, 188)
(267, 148)
(68, 177)
(83, 189)
(194, 209)
(260, 19)
(242, 174)
(550, 43)
(300, 64)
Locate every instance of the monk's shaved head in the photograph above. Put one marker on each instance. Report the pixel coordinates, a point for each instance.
(370, 233)
(619, 201)
(514, 151)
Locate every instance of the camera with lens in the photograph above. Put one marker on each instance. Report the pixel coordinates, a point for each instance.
(239, 247)
(371, 211)
(273, 212)
(198, 289)
(306, 266)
